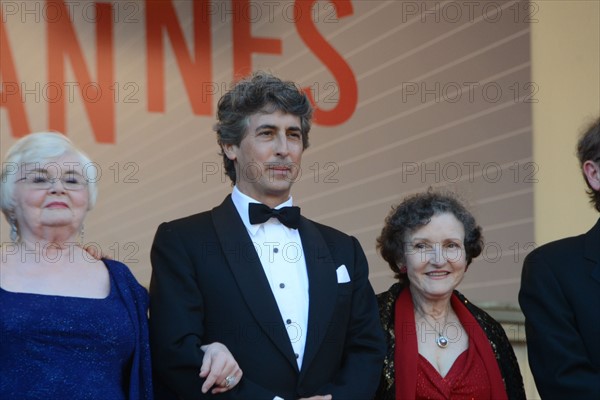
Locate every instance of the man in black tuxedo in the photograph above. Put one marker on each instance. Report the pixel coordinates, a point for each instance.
(287, 297)
(560, 297)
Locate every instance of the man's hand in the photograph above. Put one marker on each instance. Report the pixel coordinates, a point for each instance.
(219, 368)
(95, 252)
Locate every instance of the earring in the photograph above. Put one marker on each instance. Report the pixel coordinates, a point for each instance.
(403, 269)
(14, 234)
(81, 235)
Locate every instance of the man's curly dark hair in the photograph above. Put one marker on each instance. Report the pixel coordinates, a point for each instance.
(260, 92)
(588, 149)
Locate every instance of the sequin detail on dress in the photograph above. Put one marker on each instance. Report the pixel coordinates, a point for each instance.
(58, 347)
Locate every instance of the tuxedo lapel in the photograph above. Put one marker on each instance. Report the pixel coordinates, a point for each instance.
(322, 278)
(592, 250)
(250, 276)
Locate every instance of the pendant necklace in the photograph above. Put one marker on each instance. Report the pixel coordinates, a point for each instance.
(441, 341)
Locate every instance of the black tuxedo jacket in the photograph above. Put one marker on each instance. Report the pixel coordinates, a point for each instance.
(208, 285)
(560, 297)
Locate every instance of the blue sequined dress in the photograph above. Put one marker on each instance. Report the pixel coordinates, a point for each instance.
(58, 347)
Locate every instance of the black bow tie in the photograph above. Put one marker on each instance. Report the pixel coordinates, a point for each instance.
(289, 216)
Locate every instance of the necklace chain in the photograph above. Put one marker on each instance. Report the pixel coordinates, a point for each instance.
(441, 340)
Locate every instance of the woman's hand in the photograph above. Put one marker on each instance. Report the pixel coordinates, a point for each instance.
(219, 368)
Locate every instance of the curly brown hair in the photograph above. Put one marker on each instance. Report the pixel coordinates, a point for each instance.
(415, 212)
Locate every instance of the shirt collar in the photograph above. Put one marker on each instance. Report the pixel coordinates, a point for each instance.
(242, 201)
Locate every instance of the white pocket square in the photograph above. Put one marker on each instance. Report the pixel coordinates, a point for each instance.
(342, 274)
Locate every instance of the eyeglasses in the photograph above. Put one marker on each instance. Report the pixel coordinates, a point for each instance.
(40, 181)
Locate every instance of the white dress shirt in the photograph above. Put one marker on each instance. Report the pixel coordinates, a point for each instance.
(280, 251)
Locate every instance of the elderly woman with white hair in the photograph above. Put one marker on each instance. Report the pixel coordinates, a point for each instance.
(72, 326)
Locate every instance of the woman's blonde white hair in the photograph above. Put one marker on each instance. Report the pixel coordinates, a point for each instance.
(42, 148)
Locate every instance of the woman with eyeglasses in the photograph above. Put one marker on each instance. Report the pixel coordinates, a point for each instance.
(71, 326)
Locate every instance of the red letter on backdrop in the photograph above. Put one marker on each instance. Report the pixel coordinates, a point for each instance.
(97, 96)
(10, 95)
(244, 44)
(196, 73)
(348, 96)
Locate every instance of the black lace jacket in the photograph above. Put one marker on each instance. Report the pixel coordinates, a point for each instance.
(509, 368)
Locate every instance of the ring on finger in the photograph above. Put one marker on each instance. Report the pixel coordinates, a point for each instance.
(230, 380)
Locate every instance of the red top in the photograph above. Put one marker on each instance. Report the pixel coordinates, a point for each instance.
(474, 375)
(467, 379)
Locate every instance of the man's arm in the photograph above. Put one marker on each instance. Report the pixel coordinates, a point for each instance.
(557, 354)
(176, 322)
(365, 345)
